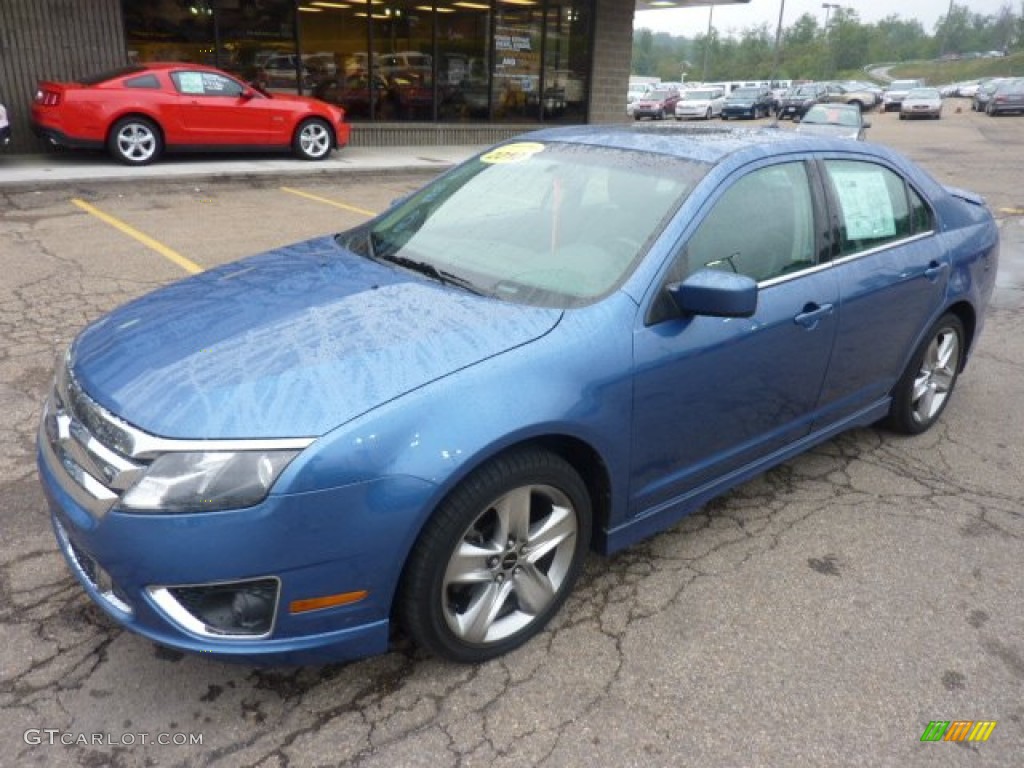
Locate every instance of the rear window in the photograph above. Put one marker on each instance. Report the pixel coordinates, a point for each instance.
(110, 74)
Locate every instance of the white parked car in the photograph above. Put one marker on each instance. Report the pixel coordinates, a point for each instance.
(702, 102)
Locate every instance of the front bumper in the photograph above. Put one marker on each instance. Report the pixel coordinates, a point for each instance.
(340, 540)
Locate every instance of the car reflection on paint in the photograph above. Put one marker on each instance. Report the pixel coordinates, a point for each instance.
(564, 344)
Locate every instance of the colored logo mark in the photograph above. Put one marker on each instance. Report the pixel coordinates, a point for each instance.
(958, 730)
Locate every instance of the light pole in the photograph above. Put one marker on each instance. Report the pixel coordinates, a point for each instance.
(945, 30)
(707, 43)
(778, 42)
(828, 8)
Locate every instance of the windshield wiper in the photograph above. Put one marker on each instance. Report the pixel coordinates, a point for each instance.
(428, 269)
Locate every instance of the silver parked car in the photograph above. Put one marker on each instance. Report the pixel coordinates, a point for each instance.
(896, 92)
(701, 102)
(842, 120)
(922, 102)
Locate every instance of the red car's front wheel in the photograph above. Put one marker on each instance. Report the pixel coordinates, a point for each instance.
(313, 140)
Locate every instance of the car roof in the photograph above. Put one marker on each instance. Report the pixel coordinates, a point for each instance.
(699, 143)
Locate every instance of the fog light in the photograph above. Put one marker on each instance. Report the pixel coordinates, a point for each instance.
(238, 609)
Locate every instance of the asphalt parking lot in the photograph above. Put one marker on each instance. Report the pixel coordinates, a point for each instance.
(821, 615)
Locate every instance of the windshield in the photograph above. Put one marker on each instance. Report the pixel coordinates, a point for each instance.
(698, 95)
(744, 93)
(924, 93)
(805, 92)
(658, 95)
(903, 85)
(831, 116)
(556, 225)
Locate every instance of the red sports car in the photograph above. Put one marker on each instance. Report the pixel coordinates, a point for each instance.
(137, 112)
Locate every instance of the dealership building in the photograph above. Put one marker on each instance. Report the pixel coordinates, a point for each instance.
(406, 71)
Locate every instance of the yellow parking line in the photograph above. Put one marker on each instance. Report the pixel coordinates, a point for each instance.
(327, 201)
(1012, 211)
(146, 240)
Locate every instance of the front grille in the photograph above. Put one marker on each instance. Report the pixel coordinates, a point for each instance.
(89, 444)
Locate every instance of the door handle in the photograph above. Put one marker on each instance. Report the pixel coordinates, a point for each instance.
(935, 269)
(813, 314)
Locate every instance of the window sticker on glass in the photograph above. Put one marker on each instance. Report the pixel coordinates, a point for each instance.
(512, 153)
(867, 207)
(190, 82)
(213, 83)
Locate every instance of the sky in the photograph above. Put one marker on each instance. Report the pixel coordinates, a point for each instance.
(691, 22)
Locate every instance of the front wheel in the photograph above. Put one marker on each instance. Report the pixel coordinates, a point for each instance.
(499, 557)
(135, 141)
(312, 140)
(924, 389)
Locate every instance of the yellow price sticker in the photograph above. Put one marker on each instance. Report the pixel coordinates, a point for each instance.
(512, 153)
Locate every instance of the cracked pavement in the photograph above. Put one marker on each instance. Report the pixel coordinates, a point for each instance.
(821, 614)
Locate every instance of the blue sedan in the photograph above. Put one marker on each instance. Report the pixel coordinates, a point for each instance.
(565, 344)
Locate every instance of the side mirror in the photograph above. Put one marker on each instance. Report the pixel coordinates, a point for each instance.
(866, 124)
(714, 293)
(247, 94)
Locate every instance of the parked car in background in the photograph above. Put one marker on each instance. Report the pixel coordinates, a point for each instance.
(282, 70)
(751, 102)
(921, 102)
(5, 127)
(636, 91)
(700, 102)
(896, 91)
(285, 457)
(967, 89)
(801, 98)
(979, 103)
(140, 111)
(1006, 98)
(839, 120)
(656, 104)
(855, 94)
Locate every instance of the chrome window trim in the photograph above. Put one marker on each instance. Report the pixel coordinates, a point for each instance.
(844, 259)
(883, 247)
(179, 615)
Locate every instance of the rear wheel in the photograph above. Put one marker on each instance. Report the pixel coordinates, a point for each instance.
(499, 557)
(313, 139)
(135, 141)
(924, 389)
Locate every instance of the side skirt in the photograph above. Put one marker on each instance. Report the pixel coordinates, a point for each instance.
(664, 515)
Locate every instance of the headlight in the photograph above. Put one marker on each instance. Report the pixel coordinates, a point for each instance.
(215, 480)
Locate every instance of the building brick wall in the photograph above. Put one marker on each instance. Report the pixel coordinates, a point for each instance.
(613, 52)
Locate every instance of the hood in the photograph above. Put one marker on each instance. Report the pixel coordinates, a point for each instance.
(290, 343)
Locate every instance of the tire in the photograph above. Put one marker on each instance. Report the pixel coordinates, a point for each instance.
(924, 389)
(313, 139)
(498, 558)
(135, 141)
